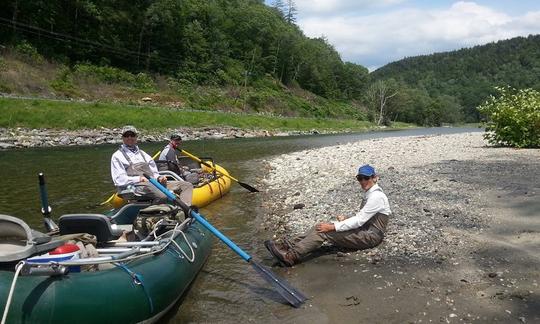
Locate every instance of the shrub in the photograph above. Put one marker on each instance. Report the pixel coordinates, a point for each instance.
(63, 83)
(112, 75)
(513, 118)
(28, 53)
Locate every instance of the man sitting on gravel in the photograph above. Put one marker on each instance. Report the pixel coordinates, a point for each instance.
(128, 166)
(362, 231)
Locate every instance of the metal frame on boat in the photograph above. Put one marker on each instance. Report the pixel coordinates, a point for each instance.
(128, 282)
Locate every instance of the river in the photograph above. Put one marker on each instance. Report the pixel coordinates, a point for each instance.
(227, 289)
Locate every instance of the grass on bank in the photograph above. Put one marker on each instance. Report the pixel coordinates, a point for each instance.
(25, 73)
(37, 113)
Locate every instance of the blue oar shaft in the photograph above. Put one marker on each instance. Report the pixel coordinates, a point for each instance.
(204, 222)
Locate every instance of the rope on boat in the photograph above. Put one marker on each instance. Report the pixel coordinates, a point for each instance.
(190, 248)
(173, 232)
(18, 269)
(138, 281)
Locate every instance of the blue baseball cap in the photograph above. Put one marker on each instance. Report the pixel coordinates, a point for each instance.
(366, 170)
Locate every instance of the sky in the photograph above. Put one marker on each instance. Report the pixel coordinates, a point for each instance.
(378, 32)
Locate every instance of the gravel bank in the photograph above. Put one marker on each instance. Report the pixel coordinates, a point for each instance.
(25, 137)
(431, 182)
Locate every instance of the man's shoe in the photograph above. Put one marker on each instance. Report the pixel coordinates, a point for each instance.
(286, 258)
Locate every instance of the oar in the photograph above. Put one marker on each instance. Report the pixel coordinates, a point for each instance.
(193, 157)
(45, 208)
(293, 296)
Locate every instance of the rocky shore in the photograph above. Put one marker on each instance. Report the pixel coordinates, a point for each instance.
(461, 241)
(420, 175)
(26, 137)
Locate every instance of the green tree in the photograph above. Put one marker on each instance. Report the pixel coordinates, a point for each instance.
(513, 117)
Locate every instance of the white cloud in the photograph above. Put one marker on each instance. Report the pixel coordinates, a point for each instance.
(377, 39)
(327, 7)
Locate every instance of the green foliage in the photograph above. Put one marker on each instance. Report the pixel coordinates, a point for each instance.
(112, 75)
(468, 75)
(225, 43)
(74, 115)
(63, 83)
(28, 53)
(513, 117)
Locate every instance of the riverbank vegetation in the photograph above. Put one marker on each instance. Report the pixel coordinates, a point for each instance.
(513, 118)
(241, 57)
(37, 113)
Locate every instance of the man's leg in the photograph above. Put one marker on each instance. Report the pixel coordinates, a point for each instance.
(307, 242)
(358, 239)
(185, 188)
(147, 191)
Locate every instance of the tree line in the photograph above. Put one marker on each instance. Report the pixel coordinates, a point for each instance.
(245, 42)
(202, 42)
(448, 87)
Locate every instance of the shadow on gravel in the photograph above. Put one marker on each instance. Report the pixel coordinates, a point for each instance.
(513, 188)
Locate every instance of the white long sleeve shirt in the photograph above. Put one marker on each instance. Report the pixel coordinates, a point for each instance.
(376, 202)
(119, 166)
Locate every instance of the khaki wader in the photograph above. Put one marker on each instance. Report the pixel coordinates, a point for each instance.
(148, 191)
(367, 236)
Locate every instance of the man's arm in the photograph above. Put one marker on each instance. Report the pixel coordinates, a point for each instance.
(372, 207)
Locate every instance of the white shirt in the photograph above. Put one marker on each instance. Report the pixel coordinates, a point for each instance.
(376, 202)
(119, 166)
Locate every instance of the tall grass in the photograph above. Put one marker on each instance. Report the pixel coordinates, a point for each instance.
(37, 113)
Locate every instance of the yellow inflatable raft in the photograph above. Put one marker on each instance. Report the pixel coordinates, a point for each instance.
(213, 186)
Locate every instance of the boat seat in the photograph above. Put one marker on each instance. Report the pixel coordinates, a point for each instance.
(18, 241)
(128, 213)
(96, 224)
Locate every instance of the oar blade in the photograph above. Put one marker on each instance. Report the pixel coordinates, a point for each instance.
(248, 187)
(293, 296)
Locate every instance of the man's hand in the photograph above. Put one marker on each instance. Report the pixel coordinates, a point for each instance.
(143, 179)
(162, 180)
(325, 227)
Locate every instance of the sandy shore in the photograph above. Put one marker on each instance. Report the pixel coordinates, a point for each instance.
(463, 243)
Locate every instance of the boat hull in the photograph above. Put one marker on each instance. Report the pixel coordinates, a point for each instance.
(203, 194)
(213, 190)
(111, 295)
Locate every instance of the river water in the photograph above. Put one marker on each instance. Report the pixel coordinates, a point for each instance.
(227, 289)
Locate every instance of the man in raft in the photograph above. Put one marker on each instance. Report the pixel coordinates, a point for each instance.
(362, 231)
(129, 164)
(168, 160)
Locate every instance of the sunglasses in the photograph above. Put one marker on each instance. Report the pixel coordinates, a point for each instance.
(362, 177)
(129, 134)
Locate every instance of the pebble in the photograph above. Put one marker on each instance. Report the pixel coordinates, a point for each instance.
(21, 137)
(425, 186)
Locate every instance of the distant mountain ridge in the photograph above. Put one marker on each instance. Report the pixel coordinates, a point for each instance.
(470, 74)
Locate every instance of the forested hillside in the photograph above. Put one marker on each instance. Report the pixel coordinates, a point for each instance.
(214, 42)
(466, 77)
(240, 56)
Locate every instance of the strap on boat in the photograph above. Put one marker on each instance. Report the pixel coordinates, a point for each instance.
(138, 281)
(18, 269)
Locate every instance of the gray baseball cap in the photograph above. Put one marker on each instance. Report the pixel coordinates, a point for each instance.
(129, 128)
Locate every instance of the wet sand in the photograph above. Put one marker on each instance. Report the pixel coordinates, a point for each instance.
(463, 244)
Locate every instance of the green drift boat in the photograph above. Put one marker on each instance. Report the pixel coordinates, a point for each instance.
(128, 281)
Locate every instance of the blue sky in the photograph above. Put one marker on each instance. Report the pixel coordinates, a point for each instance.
(375, 33)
